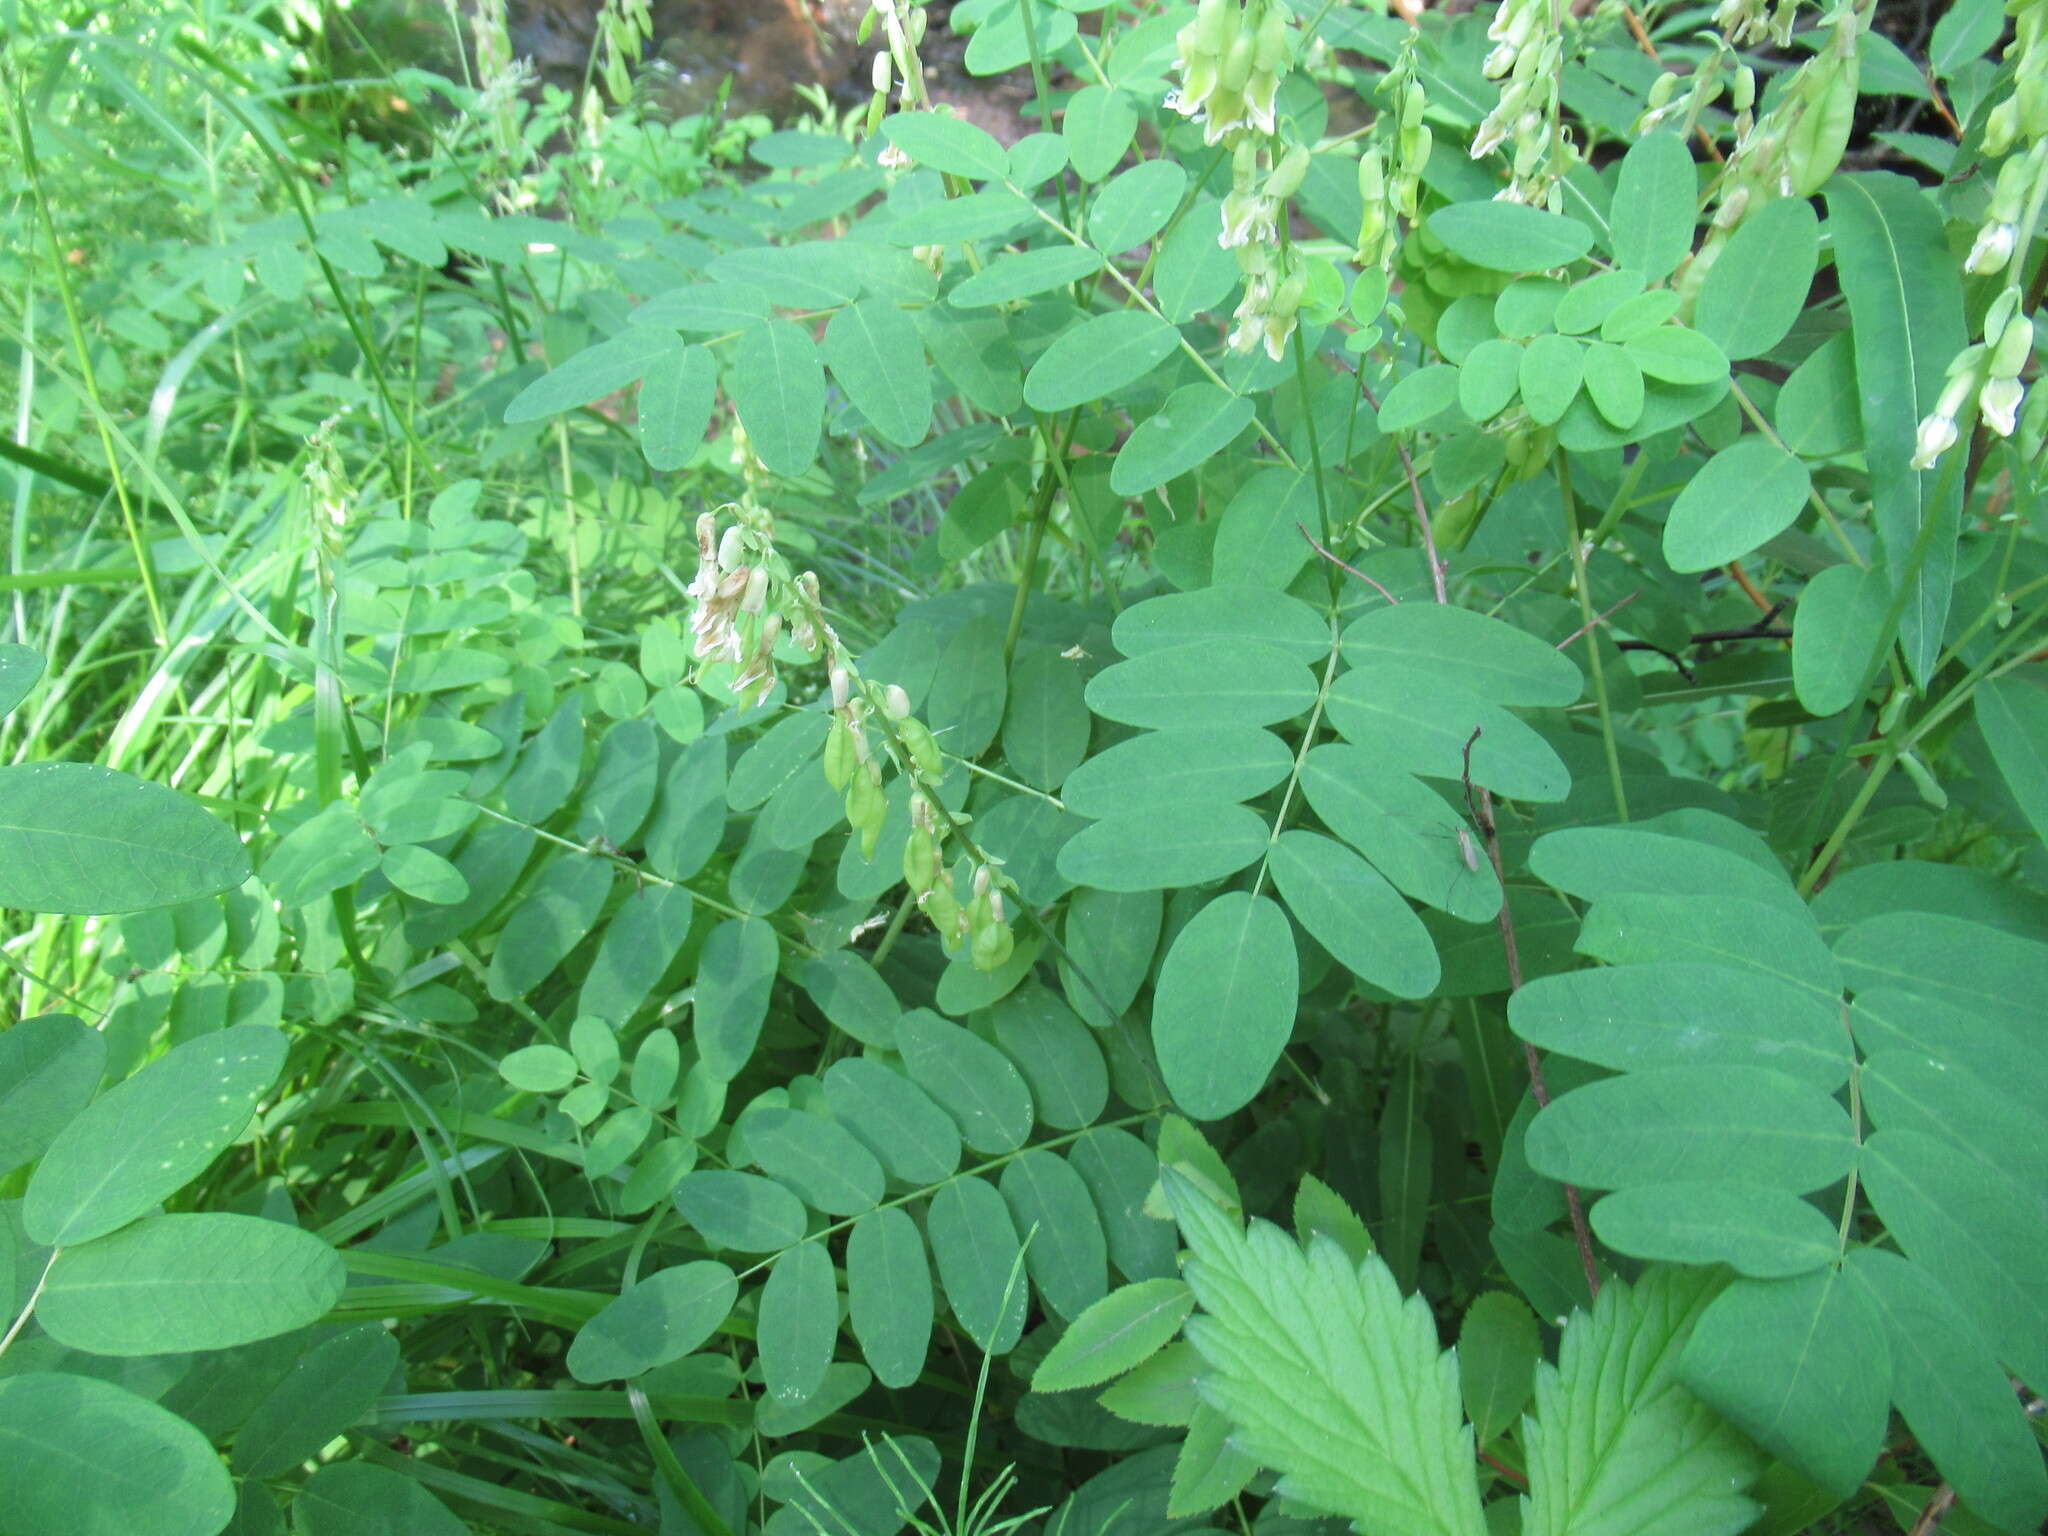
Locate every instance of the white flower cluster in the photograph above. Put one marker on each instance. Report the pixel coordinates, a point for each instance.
(1232, 58)
(1988, 371)
(1390, 169)
(1528, 50)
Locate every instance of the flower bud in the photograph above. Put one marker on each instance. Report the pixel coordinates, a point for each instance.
(920, 860)
(1287, 175)
(2015, 345)
(839, 755)
(2000, 401)
(895, 702)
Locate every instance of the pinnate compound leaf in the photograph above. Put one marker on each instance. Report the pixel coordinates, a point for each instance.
(20, 669)
(799, 1323)
(947, 143)
(360, 1498)
(778, 387)
(1481, 654)
(1757, 285)
(1802, 1367)
(1947, 1385)
(1224, 1006)
(1510, 237)
(816, 1157)
(1754, 1230)
(49, 1067)
(978, 1253)
(876, 354)
(662, 1318)
(83, 839)
(594, 372)
(1196, 422)
(1119, 1332)
(87, 1458)
(331, 1387)
(172, 1283)
(1096, 357)
(889, 1294)
(1328, 1376)
(1747, 493)
(972, 1081)
(1978, 1231)
(144, 1139)
(1617, 1446)
(1349, 908)
(1743, 1125)
(1656, 201)
(2013, 715)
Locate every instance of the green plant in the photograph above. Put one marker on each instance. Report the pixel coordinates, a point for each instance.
(794, 730)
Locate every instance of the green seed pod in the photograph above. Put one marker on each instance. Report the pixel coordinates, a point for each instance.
(940, 905)
(924, 750)
(991, 945)
(839, 754)
(1288, 174)
(920, 860)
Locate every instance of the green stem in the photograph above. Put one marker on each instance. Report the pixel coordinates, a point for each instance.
(1588, 618)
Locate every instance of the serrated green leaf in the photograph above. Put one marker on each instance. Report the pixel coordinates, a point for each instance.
(1615, 1434)
(661, 1318)
(146, 1138)
(1224, 1006)
(1301, 1349)
(889, 1295)
(203, 1281)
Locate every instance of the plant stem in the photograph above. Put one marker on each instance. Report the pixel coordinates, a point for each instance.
(1593, 658)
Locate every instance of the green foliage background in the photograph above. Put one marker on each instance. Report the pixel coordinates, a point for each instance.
(654, 766)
